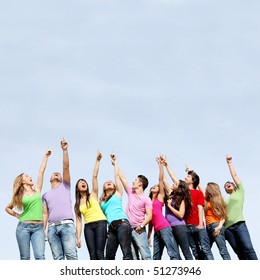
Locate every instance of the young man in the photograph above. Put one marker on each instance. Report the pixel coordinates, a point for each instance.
(236, 231)
(139, 212)
(58, 213)
(197, 234)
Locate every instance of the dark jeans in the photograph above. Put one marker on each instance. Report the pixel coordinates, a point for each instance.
(119, 235)
(181, 238)
(239, 239)
(199, 243)
(95, 235)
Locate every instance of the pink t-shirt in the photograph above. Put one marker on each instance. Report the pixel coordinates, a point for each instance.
(136, 207)
(158, 220)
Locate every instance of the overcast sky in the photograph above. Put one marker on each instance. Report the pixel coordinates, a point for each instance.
(139, 78)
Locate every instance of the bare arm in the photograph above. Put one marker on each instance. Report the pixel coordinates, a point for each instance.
(118, 183)
(38, 185)
(10, 211)
(66, 170)
(45, 219)
(232, 170)
(201, 216)
(161, 175)
(123, 180)
(78, 230)
(171, 173)
(178, 213)
(94, 191)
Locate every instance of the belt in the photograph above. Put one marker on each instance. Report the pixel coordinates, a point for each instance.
(116, 223)
(58, 223)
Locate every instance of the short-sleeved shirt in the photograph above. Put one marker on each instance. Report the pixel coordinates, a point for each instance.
(136, 207)
(235, 204)
(192, 217)
(32, 208)
(58, 202)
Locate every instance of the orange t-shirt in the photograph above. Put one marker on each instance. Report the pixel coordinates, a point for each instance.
(210, 217)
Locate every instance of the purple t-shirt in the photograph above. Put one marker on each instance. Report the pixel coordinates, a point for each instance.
(58, 202)
(171, 218)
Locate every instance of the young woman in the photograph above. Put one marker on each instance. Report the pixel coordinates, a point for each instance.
(87, 205)
(215, 217)
(178, 203)
(119, 228)
(28, 201)
(163, 236)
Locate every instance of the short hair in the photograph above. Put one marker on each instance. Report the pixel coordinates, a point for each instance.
(143, 180)
(195, 178)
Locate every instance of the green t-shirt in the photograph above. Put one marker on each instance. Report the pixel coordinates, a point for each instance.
(235, 204)
(32, 208)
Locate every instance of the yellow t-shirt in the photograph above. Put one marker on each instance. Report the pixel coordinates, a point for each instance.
(93, 212)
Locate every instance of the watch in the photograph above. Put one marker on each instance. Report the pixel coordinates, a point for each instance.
(141, 226)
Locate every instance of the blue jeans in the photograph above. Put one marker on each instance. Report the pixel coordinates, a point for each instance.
(164, 238)
(220, 240)
(121, 235)
(34, 233)
(62, 240)
(140, 245)
(95, 235)
(181, 237)
(239, 239)
(199, 243)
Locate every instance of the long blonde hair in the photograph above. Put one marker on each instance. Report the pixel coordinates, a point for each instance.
(214, 196)
(18, 190)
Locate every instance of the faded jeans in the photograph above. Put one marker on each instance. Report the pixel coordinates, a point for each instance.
(62, 240)
(27, 233)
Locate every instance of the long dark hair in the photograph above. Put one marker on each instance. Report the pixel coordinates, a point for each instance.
(180, 194)
(78, 197)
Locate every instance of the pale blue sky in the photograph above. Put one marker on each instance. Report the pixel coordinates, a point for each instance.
(140, 78)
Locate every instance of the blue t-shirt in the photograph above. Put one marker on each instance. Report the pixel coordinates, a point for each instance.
(113, 209)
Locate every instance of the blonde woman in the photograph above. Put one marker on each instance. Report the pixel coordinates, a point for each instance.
(28, 202)
(215, 216)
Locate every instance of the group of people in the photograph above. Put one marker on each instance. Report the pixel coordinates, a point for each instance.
(181, 216)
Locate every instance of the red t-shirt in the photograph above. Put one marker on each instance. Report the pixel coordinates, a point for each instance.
(192, 217)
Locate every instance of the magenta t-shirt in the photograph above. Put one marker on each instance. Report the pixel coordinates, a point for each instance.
(158, 220)
(58, 202)
(136, 207)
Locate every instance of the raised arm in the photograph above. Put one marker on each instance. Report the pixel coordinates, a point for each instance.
(123, 179)
(232, 170)
(95, 175)
(161, 194)
(171, 173)
(38, 185)
(66, 170)
(118, 183)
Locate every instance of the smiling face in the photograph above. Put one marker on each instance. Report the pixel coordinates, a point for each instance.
(230, 187)
(56, 176)
(154, 189)
(109, 185)
(27, 180)
(82, 185)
